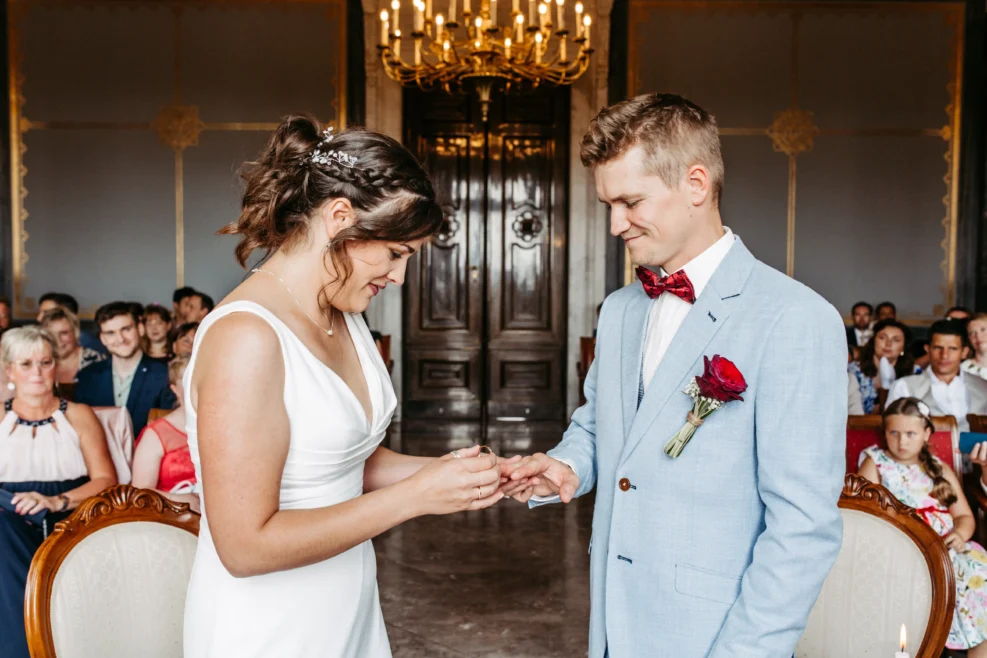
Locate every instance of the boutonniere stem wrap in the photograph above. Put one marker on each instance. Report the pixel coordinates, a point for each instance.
(721, 382)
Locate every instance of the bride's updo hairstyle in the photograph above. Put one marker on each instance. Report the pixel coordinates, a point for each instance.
(303, 166)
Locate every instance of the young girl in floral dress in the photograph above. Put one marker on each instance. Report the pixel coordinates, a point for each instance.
(920, 480)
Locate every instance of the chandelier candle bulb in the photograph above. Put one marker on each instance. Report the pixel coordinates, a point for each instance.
(395, 12)
(428, 10)
(452, 11)
(419, 16)
(542, 14)
(562, 50)
(515, 7)
(418, 51)
(520, 28)
(579, 19)
(531, 12)
(507, 47)
(445, 51)
(538, 41)
(493, 13)
(587, 21)
(466, 8)
(561, 6)
(383, 27)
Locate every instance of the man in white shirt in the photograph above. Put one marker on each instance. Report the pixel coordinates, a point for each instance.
(689, 547)
(860, 332)
(943, 386)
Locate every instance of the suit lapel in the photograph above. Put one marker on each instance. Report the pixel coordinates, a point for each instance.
(707, 316)
(135, 387)
(632, 344)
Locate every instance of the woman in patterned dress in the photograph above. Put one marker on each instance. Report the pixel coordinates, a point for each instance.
(917, 478)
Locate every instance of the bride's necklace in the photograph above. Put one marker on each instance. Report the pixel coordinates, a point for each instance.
(332, 311)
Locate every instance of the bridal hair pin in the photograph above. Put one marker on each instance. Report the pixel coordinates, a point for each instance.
(324, 156)
(923, 408)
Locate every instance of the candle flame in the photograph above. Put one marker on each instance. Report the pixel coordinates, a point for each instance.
(383, 15)
(587, 20)
(579, 7)
(395, 5)
(520, 19)
(903, 637)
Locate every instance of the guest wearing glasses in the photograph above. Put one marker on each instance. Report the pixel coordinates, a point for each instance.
(52, 457)
(72, 357)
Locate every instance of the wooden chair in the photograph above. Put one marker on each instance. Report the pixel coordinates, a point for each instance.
(892, 569)
(110, 580)
(155, 414)
(587, 351)
(865, 431)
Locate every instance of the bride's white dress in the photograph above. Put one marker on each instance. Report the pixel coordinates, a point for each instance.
(330, 609)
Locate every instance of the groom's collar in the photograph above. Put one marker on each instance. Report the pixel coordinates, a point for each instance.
(702, 268)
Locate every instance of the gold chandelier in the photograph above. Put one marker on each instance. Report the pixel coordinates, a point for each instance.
(480, 53)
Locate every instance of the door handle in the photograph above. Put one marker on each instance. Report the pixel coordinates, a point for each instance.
(474, 273)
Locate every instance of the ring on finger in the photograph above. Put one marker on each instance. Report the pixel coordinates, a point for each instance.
(455, 453)
(479, 494)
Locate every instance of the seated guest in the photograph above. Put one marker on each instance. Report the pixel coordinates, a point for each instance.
(63, 325)
(882, 360)
(179, 303)
(157, 324)
(52, 300)
(183, 338)
(199, 306)
(855, 404)
(53, 456)
(976, 331)
(961, 313)
(129, 378)
(886, 311)
(918, 479)
(4, 314)
(860, 332)
(161, 459)
(944, 387)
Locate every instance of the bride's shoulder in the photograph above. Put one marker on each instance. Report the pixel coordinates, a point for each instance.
(237, 332)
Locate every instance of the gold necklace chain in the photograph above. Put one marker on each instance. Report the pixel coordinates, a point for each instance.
(332, 311)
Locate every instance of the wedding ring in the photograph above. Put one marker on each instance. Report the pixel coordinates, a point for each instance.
(479, 494)
(486, 450)
(455, 453)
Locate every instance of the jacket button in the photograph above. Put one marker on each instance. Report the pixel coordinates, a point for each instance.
(624, 484)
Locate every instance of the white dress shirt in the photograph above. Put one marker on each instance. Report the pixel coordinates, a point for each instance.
(668, 311)
(863, 336)
(951, 398)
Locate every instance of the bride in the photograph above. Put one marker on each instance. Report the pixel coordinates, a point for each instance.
(287, 402)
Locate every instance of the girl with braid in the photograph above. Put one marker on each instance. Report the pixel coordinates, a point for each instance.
(917, 478)
(287, 401)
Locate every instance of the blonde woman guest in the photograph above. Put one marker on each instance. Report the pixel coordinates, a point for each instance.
(53, 455)
(63, 325)
(977, 332)
(157, 325)
(161, 459)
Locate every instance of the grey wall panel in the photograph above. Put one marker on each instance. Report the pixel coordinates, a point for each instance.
(90, 62)
(736, 65)
(102, 216)
(869, 222)
(867, 70)
(212, 199)
(754, 203)
(261, 62)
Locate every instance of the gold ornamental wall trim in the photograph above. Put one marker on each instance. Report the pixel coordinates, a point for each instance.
(794, 131)
(178, 125)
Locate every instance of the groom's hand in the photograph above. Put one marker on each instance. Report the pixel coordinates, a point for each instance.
(540, 475)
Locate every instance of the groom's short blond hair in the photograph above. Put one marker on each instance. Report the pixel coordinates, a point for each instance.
(674, 132)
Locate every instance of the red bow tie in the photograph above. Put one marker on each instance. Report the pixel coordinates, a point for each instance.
(677, 284)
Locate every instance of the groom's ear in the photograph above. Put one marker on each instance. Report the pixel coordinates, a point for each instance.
(698, 185)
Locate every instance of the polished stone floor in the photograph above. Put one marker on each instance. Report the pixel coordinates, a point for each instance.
(502, 583)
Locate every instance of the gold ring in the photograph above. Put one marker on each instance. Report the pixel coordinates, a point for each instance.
(486, 450)
(455, 453)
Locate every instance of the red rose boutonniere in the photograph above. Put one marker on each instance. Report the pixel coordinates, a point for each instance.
(721, 382)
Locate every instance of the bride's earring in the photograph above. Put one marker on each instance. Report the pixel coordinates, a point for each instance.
(10, 386)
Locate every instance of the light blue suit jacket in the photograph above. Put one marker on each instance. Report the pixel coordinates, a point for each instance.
(723, 551)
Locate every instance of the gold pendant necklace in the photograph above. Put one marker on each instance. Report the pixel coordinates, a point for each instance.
(332, 311)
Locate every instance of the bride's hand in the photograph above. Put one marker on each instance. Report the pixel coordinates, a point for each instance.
(455, 484)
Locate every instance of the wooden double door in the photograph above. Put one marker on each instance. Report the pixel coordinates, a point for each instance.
(485, 320)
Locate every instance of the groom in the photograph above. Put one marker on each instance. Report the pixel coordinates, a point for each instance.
(721, 551)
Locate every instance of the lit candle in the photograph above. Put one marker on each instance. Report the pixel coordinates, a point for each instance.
(445, 51)
(397, 44)
(395, 6)
(542, 14)
(579, 19)
(903, 641)
(418, 52)
(420, 16)
(587, 21)
(477, 33)
(560, 4)
(507, 47)
(439, 24)
(452, 11)
(538, 40)
(520, 28)
(383, 27)
(562, 50)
